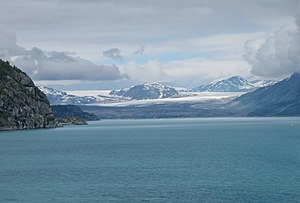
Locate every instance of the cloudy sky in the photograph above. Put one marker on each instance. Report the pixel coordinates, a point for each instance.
(108, 44)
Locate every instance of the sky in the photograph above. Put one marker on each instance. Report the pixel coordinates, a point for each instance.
(110, 44)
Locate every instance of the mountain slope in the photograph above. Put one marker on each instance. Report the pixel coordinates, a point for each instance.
(233, 84)
(64, 111)
(146, 91)
(22, 104)
(262, 83)
(280, 99)
(57, 97)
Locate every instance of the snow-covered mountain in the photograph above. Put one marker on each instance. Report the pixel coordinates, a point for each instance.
(233, 84)
(146, 91)
(263, 83)
(153, 92)
(57, 97)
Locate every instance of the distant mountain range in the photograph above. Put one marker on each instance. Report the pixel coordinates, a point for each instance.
(279, 99)
(146, 91)
(151, 91)
(233, 84)
(57, 97)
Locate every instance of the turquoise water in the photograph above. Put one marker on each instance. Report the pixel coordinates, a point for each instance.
(168, 160)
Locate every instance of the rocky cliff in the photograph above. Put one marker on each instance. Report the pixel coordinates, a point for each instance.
(22, 104)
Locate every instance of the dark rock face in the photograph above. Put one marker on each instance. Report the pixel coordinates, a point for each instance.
(72, 121)
(69, 111)
(22, 104)
(146, 91)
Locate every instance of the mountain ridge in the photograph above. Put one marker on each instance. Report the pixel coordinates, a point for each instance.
(233, 84)
(58, 97)
(280, 99)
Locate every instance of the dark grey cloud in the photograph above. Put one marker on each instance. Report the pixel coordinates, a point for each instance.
(113, 53)
(53, 65)
(59, 66)
(140, 50)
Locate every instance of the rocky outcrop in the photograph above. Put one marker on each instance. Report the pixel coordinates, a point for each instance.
(72, 121)
(22, 104)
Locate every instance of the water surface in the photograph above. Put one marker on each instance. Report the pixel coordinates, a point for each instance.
(163, 160)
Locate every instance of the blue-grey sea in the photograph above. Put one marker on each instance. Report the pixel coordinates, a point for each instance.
(160, 160)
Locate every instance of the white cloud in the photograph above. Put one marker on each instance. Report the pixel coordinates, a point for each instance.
(55, 82)
(275, 54)
(152, 71)
(223, 45)
(198, 71)
(190, 72)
